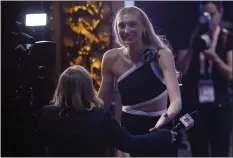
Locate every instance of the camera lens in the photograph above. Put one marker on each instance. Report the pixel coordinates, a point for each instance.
(198, 44)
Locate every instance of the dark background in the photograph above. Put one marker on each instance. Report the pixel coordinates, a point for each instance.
(174, 19)
(18, 135)
(178, 19)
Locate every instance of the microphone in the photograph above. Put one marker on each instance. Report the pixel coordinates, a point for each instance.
(187, 121)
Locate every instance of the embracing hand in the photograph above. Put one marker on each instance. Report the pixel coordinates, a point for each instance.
(162, 121)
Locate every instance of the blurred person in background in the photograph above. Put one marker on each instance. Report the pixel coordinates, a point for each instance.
(206, 66)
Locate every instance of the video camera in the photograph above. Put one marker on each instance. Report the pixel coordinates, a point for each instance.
(35, 68)
(203, 37)
(26, 41)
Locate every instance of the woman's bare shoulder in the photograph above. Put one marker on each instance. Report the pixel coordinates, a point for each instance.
(165, 54)
(112, 54)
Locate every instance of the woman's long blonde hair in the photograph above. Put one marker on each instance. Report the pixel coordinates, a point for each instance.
(75, 90)
(149, 37)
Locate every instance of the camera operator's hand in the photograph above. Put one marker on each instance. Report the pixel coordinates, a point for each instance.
(210, 53)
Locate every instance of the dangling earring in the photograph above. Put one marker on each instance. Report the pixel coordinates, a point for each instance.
(143, 35)
(144, 40)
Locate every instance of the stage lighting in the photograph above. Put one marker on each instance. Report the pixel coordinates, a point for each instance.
(129, 3)
(36, 19)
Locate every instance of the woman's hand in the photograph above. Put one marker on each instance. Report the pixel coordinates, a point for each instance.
(162, 121)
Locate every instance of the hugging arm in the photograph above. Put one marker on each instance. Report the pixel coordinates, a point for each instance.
(121, 139)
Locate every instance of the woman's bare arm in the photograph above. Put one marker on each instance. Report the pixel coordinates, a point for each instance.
(106, 87)
(167, 65)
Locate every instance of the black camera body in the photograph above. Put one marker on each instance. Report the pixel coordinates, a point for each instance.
(203, 37)
(35, 69)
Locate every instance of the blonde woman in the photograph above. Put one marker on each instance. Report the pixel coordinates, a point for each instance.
(76, 125)
(145, 71)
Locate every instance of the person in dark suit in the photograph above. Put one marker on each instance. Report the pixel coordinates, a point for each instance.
(77, 125)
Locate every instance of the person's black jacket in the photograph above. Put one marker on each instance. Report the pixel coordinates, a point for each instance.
(90, 133)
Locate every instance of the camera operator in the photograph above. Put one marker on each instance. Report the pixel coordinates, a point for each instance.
(206, 66)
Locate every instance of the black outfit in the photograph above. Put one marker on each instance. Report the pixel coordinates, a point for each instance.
(138, 125)
(141, 85)
(216, 122)
(90, 133)
(138, 85)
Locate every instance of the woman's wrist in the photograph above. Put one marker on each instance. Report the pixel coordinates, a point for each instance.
(173, 111)
(170, 116)
(167, 117)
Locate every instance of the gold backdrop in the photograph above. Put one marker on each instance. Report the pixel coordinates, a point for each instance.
(86, 34)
